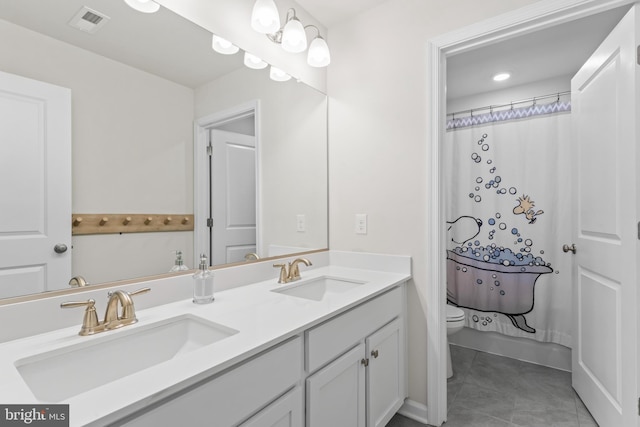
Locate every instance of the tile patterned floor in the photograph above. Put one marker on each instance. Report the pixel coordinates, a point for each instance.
(495, 391)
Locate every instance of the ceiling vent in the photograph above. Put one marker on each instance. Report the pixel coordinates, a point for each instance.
(88, 20)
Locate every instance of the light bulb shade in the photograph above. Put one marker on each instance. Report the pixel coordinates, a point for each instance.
(278, 75)
(223, 46)
(318, 55)
(294, 39)
(254, 62)
(264, 17)
(144, 6)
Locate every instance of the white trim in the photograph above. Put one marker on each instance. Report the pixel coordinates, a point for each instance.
(201, 186)
(537, 16)
(414, 410)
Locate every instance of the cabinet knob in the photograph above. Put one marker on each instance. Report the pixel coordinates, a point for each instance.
(365, 362)
(374, 353)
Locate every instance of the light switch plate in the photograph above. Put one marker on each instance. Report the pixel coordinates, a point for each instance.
(301, 223)
(361, 223)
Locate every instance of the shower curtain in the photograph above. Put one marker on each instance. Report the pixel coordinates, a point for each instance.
(508, 215)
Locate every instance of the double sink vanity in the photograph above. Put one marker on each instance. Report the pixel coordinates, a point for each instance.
(327, 349)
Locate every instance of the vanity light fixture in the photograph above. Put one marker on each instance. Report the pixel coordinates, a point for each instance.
(144, 6)
(278, 75)
(254, 62)
(292, 37)
(223, 46)
(264, 17)
(500, 77)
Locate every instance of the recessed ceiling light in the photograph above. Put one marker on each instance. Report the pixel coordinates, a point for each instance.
(501, 77)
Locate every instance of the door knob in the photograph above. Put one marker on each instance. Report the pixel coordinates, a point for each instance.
(567, 248)
(60, 248)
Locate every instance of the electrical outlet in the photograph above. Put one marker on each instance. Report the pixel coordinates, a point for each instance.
(361, 223)
(301, 223)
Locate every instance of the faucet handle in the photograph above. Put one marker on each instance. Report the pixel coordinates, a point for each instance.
(284, 272)
(90, 322)
(140, 291)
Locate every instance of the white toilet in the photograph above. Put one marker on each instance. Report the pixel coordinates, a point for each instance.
(455, 322)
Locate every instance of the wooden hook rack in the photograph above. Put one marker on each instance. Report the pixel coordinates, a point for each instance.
(129, 223)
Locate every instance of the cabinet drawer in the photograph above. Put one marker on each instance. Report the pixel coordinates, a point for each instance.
(285, 412)
(231, 397)
(332, 338)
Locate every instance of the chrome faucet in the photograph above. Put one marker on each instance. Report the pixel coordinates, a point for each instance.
(90, 323)
(291, 272)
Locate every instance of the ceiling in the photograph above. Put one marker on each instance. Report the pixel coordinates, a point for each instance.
(142, 41)
(553, 52)
(134, 38)
(331, 12)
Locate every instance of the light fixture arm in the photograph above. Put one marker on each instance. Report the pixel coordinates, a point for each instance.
(277, 36)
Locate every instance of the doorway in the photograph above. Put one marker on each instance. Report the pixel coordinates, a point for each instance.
(226, 171)
(536, 17)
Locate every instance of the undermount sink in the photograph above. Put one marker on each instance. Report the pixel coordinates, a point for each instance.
(319, 288)
(59, 374)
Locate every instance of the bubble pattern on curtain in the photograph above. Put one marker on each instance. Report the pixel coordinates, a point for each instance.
(508, 214)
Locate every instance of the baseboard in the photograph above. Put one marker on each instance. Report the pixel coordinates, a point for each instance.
(546, 354)
(414, 410)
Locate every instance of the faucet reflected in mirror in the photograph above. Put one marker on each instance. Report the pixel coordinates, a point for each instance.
(145, 163)
(112, 320)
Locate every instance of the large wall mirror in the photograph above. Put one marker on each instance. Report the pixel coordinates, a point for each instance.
(143, 87)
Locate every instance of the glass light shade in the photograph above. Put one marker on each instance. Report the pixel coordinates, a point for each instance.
(223, 46)
(318, 55)
(294, 39)
(254, 62)
(144, 6)
(264, 17)
(278, 75)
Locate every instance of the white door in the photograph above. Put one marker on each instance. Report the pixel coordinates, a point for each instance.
(336, 393)
(35, 186)
(233, 196)
(605, 137)
(385, 385)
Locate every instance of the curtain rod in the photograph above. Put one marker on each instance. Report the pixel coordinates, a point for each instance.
(556, 95)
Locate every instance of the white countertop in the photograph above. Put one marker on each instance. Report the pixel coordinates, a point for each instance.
(262, 319)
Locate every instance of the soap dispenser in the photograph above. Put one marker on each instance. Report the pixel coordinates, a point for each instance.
(203, 286)
(179, 264)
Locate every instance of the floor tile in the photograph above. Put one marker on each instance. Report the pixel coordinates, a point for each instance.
(498, 404)
(463, 417)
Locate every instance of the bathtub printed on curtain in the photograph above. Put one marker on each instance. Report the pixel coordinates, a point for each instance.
(508, 214)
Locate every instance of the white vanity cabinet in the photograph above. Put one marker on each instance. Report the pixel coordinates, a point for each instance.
(348, 371)
(231, 397)
(288, 411)
(366, 383)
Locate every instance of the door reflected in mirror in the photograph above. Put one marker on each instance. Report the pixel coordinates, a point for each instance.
(136, 92)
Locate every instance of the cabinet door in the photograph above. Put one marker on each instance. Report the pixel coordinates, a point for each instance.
(336, 393)
(284, 412)
(385, 386)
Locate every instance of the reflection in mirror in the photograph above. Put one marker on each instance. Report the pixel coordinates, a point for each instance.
(136, 90)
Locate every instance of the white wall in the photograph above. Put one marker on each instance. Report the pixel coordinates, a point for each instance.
(293, 152)
(131, 147)
(377, 132)
(515, 93)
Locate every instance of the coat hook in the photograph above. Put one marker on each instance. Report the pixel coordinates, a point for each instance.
(185, 220)
(167, 220)
(77, 221)
(104, 220)
(127, 220)
(147, 221)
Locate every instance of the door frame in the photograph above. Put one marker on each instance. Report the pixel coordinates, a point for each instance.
(201, 129)
(537, 16)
